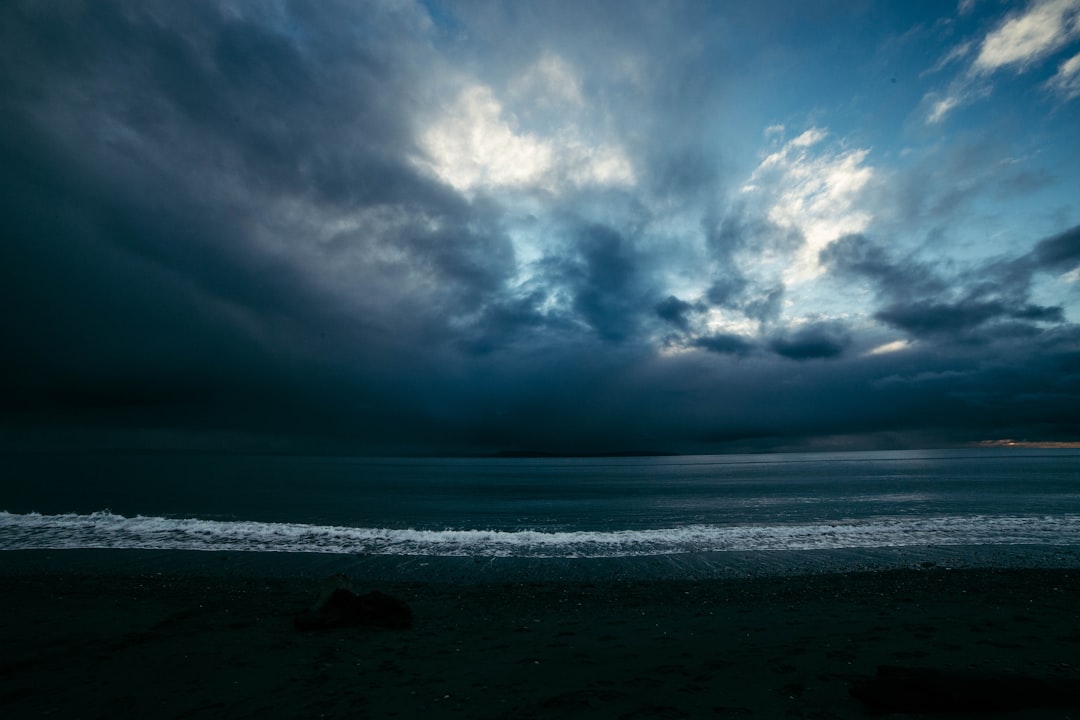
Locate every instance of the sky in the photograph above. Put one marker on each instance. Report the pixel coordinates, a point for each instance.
(402, 226)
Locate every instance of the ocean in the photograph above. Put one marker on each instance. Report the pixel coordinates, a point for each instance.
(683, 513)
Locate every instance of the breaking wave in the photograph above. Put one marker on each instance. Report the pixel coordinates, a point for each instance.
(107, 530)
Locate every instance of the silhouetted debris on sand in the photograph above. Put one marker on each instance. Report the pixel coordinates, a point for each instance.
(341, 607)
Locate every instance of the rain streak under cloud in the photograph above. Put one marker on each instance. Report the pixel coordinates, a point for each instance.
(469, 227)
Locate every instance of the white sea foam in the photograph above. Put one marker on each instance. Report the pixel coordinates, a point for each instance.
(108, 530)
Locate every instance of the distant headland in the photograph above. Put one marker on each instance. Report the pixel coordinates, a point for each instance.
(601, 454)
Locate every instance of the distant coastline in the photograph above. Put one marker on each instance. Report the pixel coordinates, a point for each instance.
(603, 454)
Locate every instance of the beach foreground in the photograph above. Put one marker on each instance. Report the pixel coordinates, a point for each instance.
(171, 646)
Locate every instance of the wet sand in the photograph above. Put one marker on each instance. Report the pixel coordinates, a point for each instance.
(97, 645)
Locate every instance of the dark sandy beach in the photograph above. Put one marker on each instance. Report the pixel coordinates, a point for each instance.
(97, 645)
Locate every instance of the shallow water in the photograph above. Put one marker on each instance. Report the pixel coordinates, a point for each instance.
(682, 510)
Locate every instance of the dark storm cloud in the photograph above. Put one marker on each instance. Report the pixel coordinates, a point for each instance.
(991, 299)
(222, 220)
(812, 342)
(725, 291)
(928, 394)
(146, 152)
(857, 255)
(168, 174)
(766, 305)
(506, 321)
(959, 319)
(1060, 252)
(928, 319)
(724, 344)
(1040, 313)
(605, 283)
(675, 311)
(726, 238)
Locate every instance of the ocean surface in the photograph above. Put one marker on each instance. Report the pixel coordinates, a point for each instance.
(680, 508)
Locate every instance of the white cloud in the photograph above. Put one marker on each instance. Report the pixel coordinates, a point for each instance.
(1029, 36)
(585, 164)
(1018, 42)
(961, 92)
(890, 347)
(783, 156)
(808, 138)
(475, 143)
(817, 194)
(551, 81)
(729, 322)
(940, 108)
(1067, 80)
(957, 53)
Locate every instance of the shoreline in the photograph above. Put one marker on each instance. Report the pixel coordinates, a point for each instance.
(99, 642)
(467, 570)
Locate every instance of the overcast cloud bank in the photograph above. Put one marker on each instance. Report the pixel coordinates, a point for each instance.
(427, 227)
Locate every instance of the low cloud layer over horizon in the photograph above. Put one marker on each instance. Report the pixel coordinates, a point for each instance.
(405, 226)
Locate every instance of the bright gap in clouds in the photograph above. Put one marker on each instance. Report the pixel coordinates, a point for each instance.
(890, 347)
(815, 191)
(472, 145)
(479, 142)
